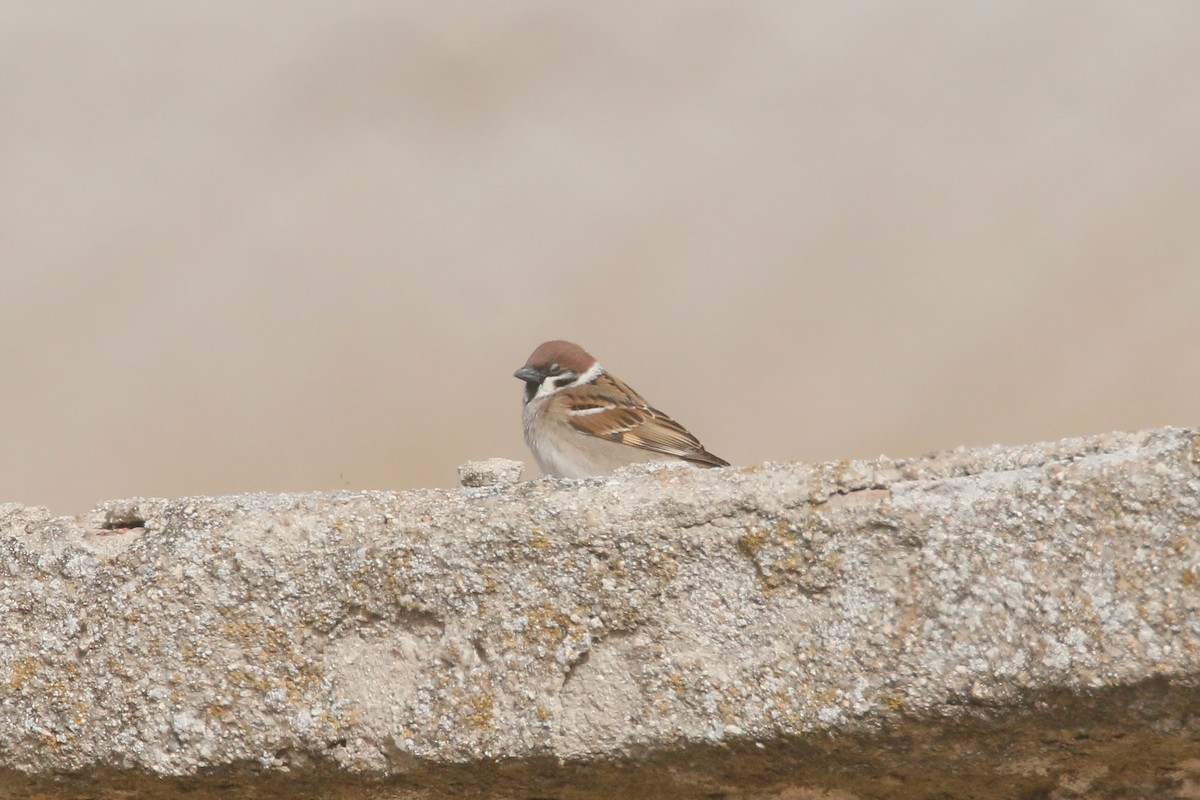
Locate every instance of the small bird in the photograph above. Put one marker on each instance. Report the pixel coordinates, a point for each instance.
(581, 421)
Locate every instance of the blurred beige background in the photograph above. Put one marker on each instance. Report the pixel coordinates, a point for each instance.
(278, 246)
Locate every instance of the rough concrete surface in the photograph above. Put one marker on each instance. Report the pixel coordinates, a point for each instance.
(997, 622)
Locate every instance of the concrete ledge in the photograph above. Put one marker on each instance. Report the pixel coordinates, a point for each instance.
(774, 629)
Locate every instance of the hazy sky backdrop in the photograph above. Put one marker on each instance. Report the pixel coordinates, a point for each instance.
(275, 246)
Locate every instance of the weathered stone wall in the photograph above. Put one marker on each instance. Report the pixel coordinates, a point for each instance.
(990, 621)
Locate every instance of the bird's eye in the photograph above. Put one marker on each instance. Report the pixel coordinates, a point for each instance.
(554, 369)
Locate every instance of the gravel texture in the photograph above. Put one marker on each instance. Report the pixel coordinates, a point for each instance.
(566, 635)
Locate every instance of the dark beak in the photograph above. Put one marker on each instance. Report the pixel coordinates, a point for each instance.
(528, 374)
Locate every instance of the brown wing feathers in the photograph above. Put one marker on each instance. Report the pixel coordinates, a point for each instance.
(636, 423)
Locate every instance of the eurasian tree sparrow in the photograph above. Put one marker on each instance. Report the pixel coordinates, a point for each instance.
(581, 421)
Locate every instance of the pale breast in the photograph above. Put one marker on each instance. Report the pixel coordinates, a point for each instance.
(564, 452)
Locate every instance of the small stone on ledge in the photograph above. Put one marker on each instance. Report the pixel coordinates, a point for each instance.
(492, 472)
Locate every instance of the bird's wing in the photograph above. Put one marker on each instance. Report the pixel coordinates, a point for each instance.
(609, 409)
